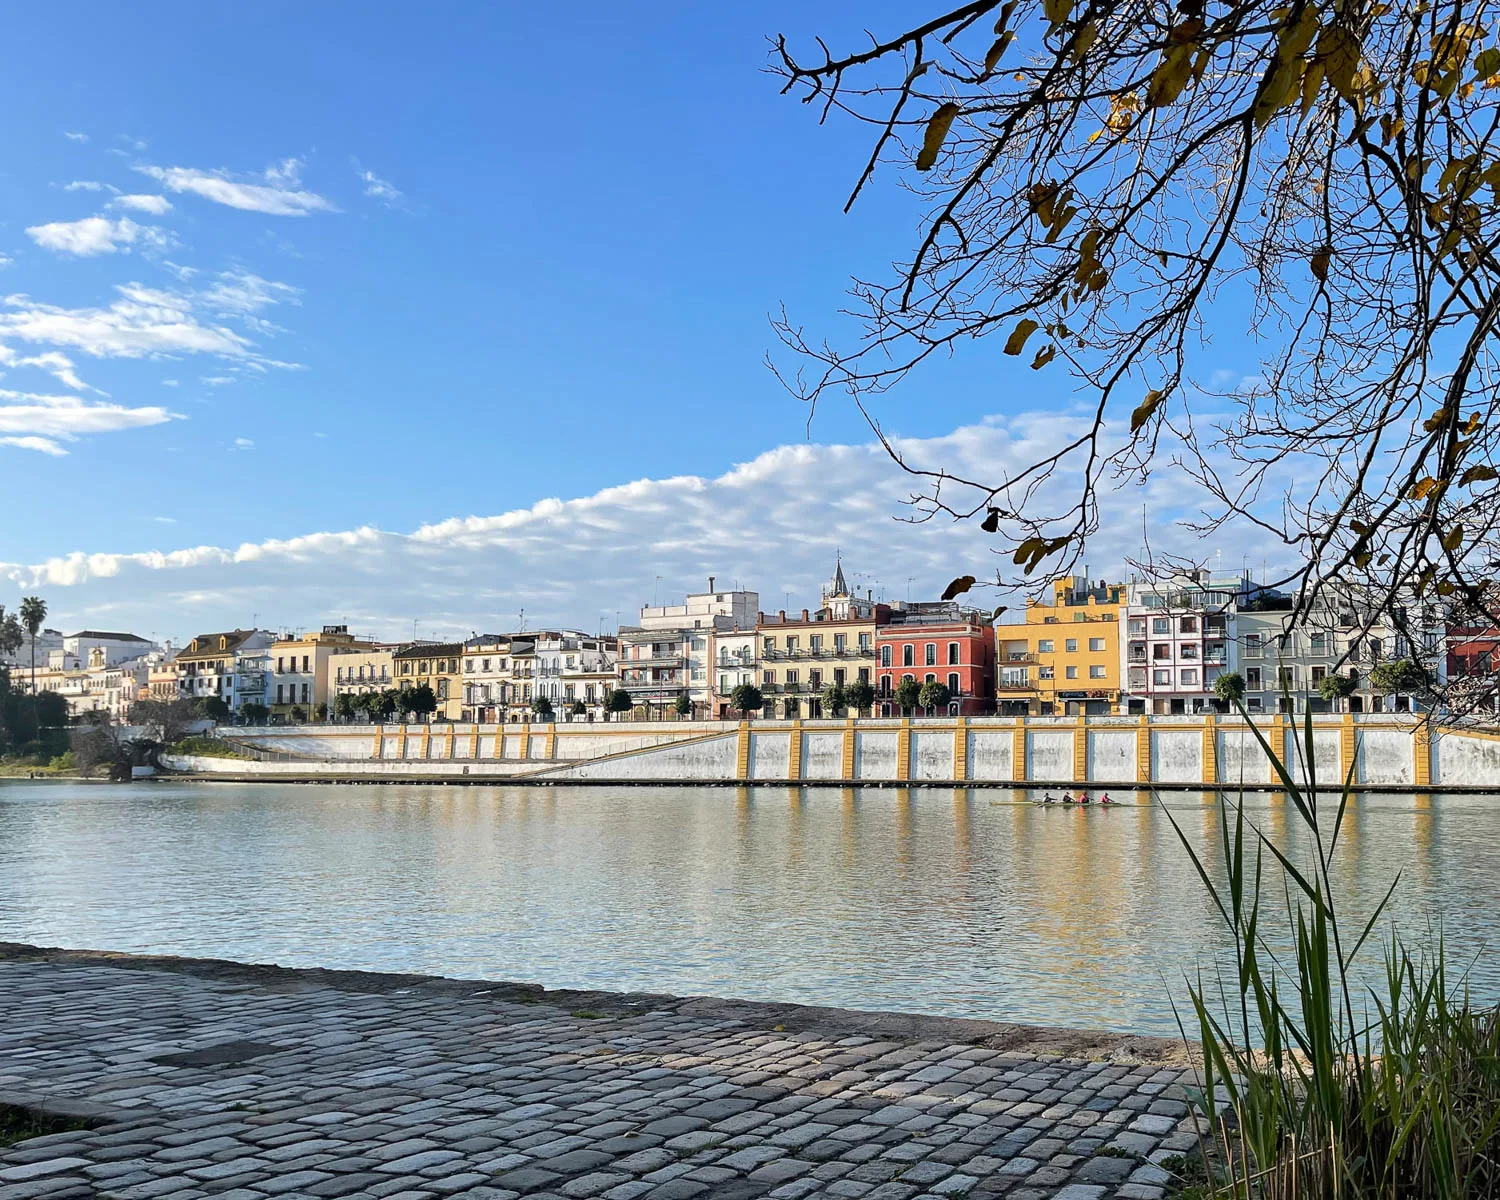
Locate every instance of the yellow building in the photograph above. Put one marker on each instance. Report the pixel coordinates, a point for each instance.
(440, 666)
(298, 687)
(1065, 659)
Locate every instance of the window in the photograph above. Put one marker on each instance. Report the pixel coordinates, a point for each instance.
(864, 674)
(1161, 652)
(953, 682)
(1190, 650)
(1078, 616)
(931, 659)
(885, 656)
(304, 668)
(838, 676)
(1070, 672)
(279, 699)
(1189, 624)
(770, 644)
(1045, 672)
(929, 678)
(1161, 625)
(864, 643)
(1044, 646)
(791, 644)
(1252, 645)
(1317, 675)
(838, 642)
(1252, 679)
(793, 676)
(1190, 677)
(1071, 645)
(1286, 678)
(908, 655)
(279, 667)
(1162, 678)
(953, 659)
(1096, 644)
(815, 679)
(1098, 671)
(768, 677)
(815, 643)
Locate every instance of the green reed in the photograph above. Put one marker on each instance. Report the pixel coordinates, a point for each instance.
(1311, 1084)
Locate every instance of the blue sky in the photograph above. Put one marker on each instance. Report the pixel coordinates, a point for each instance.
(327, 268)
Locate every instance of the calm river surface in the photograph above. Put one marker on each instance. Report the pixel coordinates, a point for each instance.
(964, 903)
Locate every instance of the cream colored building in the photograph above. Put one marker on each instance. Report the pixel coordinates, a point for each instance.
(299, 674)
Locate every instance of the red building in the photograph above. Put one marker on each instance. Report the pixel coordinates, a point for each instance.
(1474, 668)
(927, 642)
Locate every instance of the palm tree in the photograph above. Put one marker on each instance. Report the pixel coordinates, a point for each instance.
(33, 613)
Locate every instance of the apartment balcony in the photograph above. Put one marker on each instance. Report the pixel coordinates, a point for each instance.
(1017, 656)
(1010, 687)
(654, 660)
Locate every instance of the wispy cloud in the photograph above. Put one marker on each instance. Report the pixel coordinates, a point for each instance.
(76, 137)
(96, 235)
(277, 191)
(239, 291)
(40, 444)
(242, 443)
(142, 322)
(144, 202)
(55, 363)
(83, 185)
(379, 189)
(30, 418)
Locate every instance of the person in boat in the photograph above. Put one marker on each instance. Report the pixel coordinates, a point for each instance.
(1104, 799)
(1067, 798)
(1085, 798)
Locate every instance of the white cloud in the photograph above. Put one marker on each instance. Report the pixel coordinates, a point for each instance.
(70, 417)
(84, 185)
(277, 193)
(243, 292)
(76, 137)
(40, 444)
(6, 261)
(143, 322)
(95, 235)
(56, 364)
(379, 189)
(165, 520)
(773, 524)
(144, 202)
(216, 380)
(241, 443)
(171, 383)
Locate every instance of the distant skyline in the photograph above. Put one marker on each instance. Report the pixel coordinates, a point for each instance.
(337, 269)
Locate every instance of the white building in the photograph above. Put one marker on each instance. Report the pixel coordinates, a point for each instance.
(735, 661)
(233, 666)
(700, 617)
(1178, 633)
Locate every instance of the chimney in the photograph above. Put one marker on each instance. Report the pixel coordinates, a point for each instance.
(710, 583)
(781, 614)
(804, 614)
(760, 618)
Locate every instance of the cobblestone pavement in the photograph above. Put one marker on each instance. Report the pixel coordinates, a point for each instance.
(281, 1083)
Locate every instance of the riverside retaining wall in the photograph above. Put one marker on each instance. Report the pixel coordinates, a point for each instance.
(1383, 751)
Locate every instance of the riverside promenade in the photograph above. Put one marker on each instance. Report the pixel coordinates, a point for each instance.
(201, 1079)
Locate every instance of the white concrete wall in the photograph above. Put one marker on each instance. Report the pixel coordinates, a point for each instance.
(770, 755)
(823, 755)
(1241, 757)
(1112, 755)
(710, 759)
(1177, 755)
(932, 754)
(373, 769)
(875, 755)
(1462, 761)
(1049, 754)
(1385, 756)
(990, 754)
(1326, 770)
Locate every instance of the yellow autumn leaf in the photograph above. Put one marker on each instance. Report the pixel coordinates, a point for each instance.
(1025, 327)
(1422, 487)
(1043, 356)
(1480, 474)
(1453, 539)
(1319, 263)
(1143, 411)
(937, 133)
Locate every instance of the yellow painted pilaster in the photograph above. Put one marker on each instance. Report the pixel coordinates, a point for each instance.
(1347, 747)
(742, 753)
(474, 741)
(794, 753)
(1421, 746)
(1210, 749)
(552, 742)
(903, 750)
(849, 742)
(1143, 751)
(1081, 750)
(379, 747)
(1278, 743)
(961, 750)
(426, 741)
(1018, 753)
(401, 741)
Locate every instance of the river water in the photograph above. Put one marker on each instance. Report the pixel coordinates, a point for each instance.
(971, 903)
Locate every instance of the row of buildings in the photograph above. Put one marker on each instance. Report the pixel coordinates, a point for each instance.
(1090, 647)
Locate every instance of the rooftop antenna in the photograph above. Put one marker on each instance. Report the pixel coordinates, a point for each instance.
(522, 629)
(909, 580)
(656, 594)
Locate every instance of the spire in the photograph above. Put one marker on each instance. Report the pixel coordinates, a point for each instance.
(840, 588)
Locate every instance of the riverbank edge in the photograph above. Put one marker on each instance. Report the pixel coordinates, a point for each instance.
(1030, 785)
(825, 1021)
